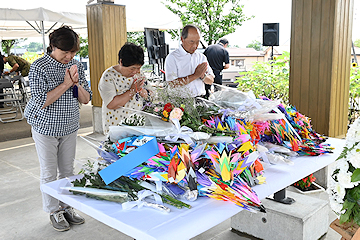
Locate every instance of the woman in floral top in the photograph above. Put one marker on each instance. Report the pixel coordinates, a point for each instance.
(122, 86)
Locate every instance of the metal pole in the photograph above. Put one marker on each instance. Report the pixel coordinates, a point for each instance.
(354, 54)
(272, 58)
(43, 35)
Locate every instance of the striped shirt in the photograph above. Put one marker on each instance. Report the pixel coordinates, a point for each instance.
(62, 116)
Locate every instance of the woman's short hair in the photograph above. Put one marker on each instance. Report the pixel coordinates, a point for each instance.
(65, 39)
(131, 54)
(185, 30)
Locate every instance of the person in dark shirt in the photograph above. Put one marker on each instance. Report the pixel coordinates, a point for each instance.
(1, 65)
(1, 73)
(18, 64)
(218, 58)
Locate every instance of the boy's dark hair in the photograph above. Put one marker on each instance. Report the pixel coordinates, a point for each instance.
(131, 54)
(65, 39)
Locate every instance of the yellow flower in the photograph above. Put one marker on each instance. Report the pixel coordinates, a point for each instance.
(166, 114)
(354, 64)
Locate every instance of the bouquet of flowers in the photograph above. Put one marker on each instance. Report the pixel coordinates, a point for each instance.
(305, 183)
(344, 189)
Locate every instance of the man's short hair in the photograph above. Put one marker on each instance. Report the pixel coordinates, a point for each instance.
(185, 30)
(223, 41)
(131, 54)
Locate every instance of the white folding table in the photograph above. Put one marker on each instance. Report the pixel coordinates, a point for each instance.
(147, 223)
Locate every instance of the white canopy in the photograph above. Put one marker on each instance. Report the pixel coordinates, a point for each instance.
(23, 23)
(18, 23)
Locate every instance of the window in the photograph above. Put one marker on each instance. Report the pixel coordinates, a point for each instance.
(240, 63)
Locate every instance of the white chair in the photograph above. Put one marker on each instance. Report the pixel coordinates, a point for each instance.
(11, 101)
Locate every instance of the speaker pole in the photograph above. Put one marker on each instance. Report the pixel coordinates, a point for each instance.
(272, 58)
(354, 54)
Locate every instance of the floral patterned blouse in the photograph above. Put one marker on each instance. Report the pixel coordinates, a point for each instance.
(113, 83)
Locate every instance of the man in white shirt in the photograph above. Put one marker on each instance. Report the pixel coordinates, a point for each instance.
(186, 68)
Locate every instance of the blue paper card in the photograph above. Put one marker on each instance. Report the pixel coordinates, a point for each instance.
(130, 161)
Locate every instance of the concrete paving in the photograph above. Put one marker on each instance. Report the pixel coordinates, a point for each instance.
(21, 213)
(21, 129)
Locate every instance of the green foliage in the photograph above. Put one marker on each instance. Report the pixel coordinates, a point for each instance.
(352, 206)
(305, 183)
(6, 45)
(34, 47)
(354, 94)
(357, 43)
(348, 205)
(147, 68)
(356, 175)
(123, 184)
(215, 18)
(84, 48)
(269, 79)
(137, 38)
(255, 44)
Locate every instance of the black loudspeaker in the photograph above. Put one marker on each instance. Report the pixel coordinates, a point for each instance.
(155, 44)
(271, 34)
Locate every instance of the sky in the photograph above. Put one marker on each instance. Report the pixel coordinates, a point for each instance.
(274, 11)
(265, 11)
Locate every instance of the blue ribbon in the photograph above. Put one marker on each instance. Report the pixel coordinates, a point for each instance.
(75, 91)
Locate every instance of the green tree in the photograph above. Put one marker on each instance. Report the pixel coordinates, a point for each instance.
(215, 18)
(6, 45)
(255, 44)
(34, 47)
(357, 43)
(84, 47)
(137, 38)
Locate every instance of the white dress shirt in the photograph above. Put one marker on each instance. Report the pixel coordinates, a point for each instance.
(180, 64)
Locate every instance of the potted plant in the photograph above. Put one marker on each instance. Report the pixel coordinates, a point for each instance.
(307, 185)
(344, 188)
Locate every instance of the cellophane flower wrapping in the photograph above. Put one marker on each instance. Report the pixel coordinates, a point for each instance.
(245, 104)
(151, 125)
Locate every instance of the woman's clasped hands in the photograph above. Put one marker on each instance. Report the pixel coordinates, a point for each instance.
(72, 76)
(137, 86)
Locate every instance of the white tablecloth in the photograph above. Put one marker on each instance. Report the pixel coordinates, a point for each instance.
(205, 213)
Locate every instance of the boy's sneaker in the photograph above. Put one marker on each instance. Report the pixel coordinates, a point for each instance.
(58, 221)
(72, 217)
